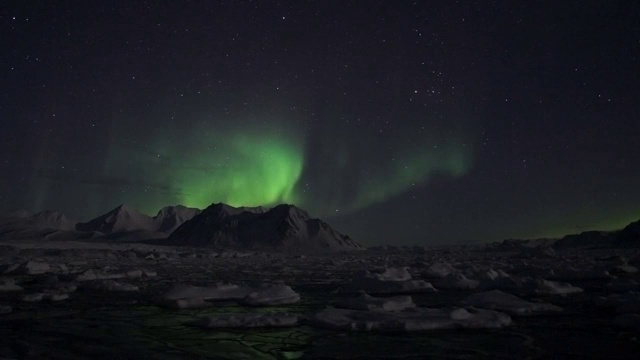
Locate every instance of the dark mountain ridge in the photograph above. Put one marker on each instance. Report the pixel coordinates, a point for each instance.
(284, 227)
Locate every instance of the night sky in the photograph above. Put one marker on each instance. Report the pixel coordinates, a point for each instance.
(397, 122)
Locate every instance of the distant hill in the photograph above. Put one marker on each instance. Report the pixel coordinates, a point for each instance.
(25, 225)
(627, 237)
(39, 221)
(283, 228)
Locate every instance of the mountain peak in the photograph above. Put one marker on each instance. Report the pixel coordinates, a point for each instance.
(121, 219)
(124, 208)
(169, 218)
(171, 209)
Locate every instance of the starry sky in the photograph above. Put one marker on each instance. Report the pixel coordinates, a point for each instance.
(399, 122)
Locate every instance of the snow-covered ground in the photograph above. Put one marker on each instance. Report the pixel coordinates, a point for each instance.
(92, 299)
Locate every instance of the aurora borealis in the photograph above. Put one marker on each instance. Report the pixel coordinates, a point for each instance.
(264, 165)
(396, 122)
(243, 170)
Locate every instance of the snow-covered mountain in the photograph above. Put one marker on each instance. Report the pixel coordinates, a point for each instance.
(170, 218)
(124, 219)
(283, 228)
(120, 219)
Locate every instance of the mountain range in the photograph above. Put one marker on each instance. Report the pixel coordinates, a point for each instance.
(283, 228)
(629, 236)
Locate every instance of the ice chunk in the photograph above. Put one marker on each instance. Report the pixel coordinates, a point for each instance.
(391, 281)
(92, 274)
(511, 304)
(492, 274)
(9, 284)
(374, 286)
(149, 273)
(262, 295)
(460, 314)
(189, 303)
(367, 302)
(439, 270)
(541, 286)
(111, 285)
(218, 292)
(457, 281)
(572, 273)
(39, 296)
(390, 274)
(626, 269)
(272, 295)
(134, 273)
(496, 279)
(57, 297)
(33, 297)
(32, 268)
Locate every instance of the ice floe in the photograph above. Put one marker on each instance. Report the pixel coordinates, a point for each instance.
(439, 270)
(511, 304)
(416, 319)
(261, 295)
(9, 284)
(30, 268)
(40, 296)
(542, 286)
(457, 281)
(269, 295)
(111, 285)
(92, 274)
(391, 281)
(368, 302)
(496, 280)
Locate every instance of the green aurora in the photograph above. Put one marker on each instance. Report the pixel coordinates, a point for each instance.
(251, 164)
(267, 167)
(244, 170)
(412, 170)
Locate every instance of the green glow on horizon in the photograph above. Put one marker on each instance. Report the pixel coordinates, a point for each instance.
(606, 224)
(245, 169)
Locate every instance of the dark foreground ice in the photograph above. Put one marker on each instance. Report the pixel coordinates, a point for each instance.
(75, 300)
